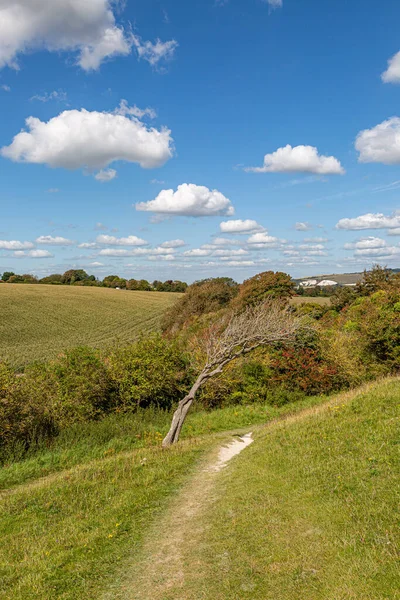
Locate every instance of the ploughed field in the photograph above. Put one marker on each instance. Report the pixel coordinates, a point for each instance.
(39, 321)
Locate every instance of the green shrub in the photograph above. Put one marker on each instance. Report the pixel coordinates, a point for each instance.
(83, 387)
(152, 371)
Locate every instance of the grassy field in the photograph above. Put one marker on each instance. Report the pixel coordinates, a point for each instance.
(323, 301)
(38, 321)
(309, 511)
(72, 514)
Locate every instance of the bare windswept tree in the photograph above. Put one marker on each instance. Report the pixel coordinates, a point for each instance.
(261, 325)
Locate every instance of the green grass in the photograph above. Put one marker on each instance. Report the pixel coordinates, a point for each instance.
(322, 300)
(65, 535)
(310, 511)
(39, 321)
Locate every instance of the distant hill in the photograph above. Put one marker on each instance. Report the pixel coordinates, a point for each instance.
(340, 278)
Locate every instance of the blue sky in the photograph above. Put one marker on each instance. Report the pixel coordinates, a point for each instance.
(154, 124)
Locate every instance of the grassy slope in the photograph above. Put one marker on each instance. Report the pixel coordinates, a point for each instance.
(64, 536)
(38, 321)
(309, 511)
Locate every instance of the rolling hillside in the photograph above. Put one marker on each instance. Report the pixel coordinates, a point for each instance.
(38, 321)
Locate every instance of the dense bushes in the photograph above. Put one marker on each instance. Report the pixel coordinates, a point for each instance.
(355, 339)
(83, 385)
(201, 298)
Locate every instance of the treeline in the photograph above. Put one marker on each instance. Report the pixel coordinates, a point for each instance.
(355, 339)
(79, 277)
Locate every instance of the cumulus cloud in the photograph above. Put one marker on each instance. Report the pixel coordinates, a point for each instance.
(155, 52)
(239, 226)
(274, 3)
(106, 175)
(229, 253)
(392, 73)
(386, 251)
(78, 139)
(240, 263)
(302, 159)
(381, 144)
(189, 200)
(117, 252)
(311, 246)
(5, 88)
(33, 254)
(110, 240)
(88, 28)
(87, 245)
(395, 231)
(371, 221)
(173, 244)
(15, 245)
(198, 252)
(54, 241)
(167, 257)
(367, 242)
(262, 240)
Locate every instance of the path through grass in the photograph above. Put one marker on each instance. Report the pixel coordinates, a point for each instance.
(309, 511)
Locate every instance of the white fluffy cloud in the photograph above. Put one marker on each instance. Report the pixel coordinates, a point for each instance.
(301, 159)
(33, 254)
(368, 242)
(370, 221)
(386, 251)
(392, 73)
(239, 226)
(106, 175)
(189, 200)
(53, 241)
(381, 144)
(274, 3)
(198, 252)
(15, 245)
(110, 240)
(395, 231)
(87, 27)
(262, 240)
(90, 140)
(155, 52)
(173, 244)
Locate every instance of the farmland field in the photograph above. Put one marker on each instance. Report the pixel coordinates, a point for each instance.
(39, 321)
(322, 300)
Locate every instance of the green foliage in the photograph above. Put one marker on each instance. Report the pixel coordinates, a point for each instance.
(6, 275)
(152, 372)
(55, 279)
(264, 286)
(377, 278)
(342, 297)
(201, 298)
(74, 275)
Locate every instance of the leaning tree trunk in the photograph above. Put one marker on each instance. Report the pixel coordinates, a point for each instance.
(181, 412)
